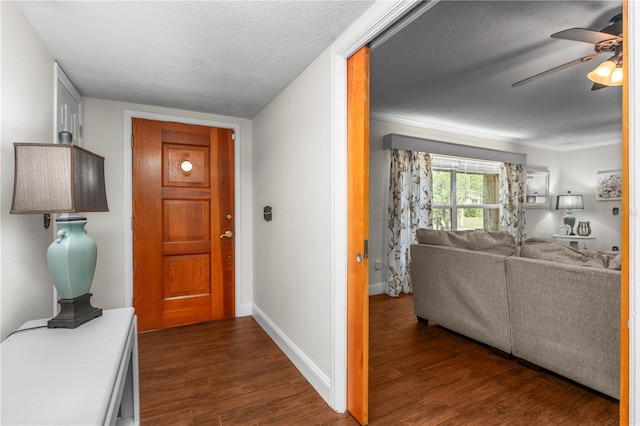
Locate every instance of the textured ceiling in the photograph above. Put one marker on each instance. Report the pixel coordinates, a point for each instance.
(450, 69)
(453, 67)
(223, 57)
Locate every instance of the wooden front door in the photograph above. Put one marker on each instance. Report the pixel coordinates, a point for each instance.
(183, 224)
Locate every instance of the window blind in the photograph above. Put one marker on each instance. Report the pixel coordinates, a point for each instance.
(464, 165)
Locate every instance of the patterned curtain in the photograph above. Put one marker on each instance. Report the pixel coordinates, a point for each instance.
(410, 193)
(512, 198)
(491, 194)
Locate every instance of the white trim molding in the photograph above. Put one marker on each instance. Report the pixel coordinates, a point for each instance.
(632, 55)
(338, 393)
(129, 115)
(486, 135)
(307, 368)
(378, 288)
(375, 20)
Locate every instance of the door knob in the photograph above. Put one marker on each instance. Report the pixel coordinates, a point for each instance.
(227, 234)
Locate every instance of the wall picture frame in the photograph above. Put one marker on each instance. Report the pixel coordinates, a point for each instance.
(609, 185)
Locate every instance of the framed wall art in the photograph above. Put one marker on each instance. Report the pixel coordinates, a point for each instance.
(609, 185)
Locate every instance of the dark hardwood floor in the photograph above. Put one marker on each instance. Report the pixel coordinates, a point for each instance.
(230, 373)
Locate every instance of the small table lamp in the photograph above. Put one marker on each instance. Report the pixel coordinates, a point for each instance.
(568, 203)
(64, 178)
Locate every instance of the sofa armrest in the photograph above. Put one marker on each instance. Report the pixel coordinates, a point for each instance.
(462, 290)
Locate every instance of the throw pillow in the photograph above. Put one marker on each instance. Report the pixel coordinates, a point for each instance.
(615, 262)
(538, 248)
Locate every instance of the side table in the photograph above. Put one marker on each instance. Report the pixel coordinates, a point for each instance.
(82, 376)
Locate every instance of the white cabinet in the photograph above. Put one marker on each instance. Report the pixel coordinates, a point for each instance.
(68, 107)
(82, 376)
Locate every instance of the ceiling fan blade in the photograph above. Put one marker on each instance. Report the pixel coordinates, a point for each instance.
(598, 86)
(615, 26)
(584, 35)
(556, 69)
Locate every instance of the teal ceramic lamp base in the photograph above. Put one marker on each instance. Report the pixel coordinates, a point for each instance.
(72, 262)
(569, 219)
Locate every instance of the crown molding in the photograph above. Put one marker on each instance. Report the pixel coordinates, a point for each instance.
(456, 131)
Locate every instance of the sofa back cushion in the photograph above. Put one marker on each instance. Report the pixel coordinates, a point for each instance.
(499, 242)
(538, 248)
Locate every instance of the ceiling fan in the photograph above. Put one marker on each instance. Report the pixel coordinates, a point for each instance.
(607, 40)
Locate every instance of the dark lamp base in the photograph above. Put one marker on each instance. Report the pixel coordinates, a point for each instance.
(74, 312)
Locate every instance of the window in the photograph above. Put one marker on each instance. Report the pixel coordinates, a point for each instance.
(466, 193)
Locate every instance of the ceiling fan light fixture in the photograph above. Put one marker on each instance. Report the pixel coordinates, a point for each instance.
(616, 77)
(607, 73)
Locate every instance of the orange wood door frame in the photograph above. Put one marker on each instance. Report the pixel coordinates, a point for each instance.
(358, 232)
(624, 284)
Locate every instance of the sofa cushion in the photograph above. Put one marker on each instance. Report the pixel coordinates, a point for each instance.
(539, 248)
(614, 262)
(499, 242)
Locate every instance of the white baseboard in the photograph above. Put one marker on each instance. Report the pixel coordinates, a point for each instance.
(243, 310)
(377, 288)
(314, 376)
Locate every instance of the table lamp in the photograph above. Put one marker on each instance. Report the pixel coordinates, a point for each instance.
(64, 178)
(568, 203)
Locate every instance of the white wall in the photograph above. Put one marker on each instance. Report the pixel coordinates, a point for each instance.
(292, 253)
(578, 175)
(104, 134)
(573, 171)
(26, 289)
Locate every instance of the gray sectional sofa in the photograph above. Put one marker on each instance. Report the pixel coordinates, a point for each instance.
(544, 302)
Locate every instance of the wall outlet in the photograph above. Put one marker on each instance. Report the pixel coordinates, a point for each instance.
(377, 264)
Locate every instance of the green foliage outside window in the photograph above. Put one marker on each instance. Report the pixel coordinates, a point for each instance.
(470, 189)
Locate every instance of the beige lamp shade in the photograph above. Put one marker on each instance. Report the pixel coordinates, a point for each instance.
(57, 178)
(569, 202)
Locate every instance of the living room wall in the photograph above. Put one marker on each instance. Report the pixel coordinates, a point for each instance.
(573, 171)
(576, 172)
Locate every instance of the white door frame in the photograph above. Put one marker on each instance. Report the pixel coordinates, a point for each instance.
(633, 48)
(372, 23)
